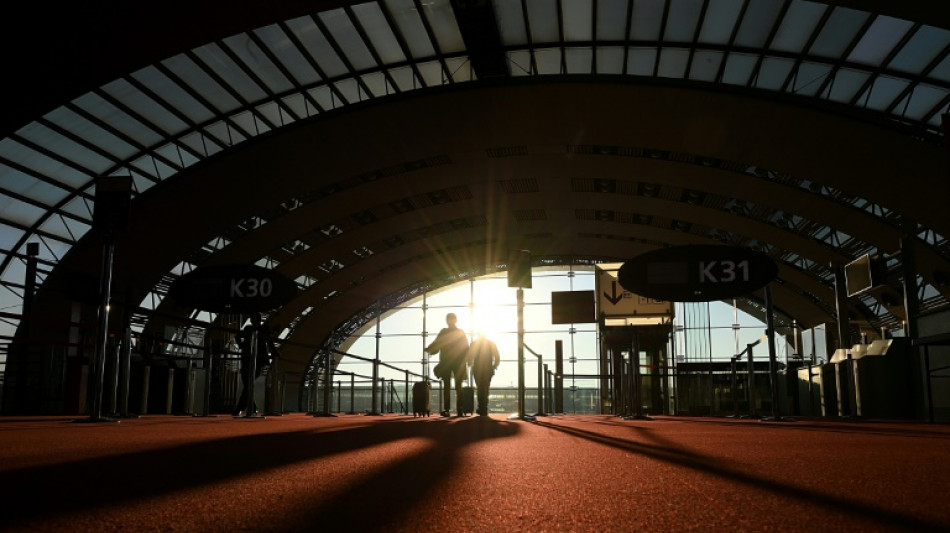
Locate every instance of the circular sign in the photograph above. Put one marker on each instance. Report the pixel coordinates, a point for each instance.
(233, 288)
(699, 273)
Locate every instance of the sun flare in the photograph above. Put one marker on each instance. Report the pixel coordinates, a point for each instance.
(494, 312)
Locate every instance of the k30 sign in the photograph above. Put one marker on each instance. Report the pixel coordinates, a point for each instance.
(233, 288)
(698, 273)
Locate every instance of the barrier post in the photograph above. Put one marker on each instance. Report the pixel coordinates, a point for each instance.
(751, 371)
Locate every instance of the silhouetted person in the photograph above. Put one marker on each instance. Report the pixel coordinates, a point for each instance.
(451, 344)
(484, 358)
(265, 348)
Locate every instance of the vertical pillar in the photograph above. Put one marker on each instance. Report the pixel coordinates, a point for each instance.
(909, 273)
(375, 392)
(841, 307)
(102, 333)
(773, 364)
(558, 376)
(520, 353)
(751, 379)
(125, 362)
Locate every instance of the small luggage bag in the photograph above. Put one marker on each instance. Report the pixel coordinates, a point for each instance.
(421, 392)
(467, 401)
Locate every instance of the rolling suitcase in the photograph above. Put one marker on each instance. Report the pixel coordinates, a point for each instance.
(421, 393)
(467, 401)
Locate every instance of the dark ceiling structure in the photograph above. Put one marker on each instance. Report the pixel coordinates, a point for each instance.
(371, 151)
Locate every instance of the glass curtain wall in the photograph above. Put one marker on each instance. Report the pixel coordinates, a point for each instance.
(486, 305)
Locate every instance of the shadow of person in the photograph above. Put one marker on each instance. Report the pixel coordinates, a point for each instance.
(394, 492)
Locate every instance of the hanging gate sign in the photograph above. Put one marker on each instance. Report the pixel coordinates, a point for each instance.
(699, 273)
(233, 288)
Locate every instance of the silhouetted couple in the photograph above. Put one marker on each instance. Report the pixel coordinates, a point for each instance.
(455, 356)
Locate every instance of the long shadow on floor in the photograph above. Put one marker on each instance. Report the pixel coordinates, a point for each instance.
(391, 495)
(711, 465)
(85, 484)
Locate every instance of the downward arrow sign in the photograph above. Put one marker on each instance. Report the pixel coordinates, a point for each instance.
(613, 298)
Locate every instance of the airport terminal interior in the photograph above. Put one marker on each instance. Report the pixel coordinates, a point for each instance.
(716, 216)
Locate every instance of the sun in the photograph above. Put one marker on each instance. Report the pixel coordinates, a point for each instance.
(494, 311)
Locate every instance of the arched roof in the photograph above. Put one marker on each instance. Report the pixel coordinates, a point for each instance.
(369, 149)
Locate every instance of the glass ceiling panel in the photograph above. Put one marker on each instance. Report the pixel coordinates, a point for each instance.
(17, 153)
(109, 114)
(40, 191)
(876, 43)
(377, 84)
(548, 60)
(758, 22)
(78, 208)
(924, 100)
(252, 57)
(432, 73)
(673, 63)
(682, 19)
(199, 80)
(646, 20)
(312, 40)
(578, 17)
(350, 90)
(380, 34)
(342, 31)
(9, 235)
(172, 93)
(739, 69)
(324, 97)
(297, 104)
(288, 54)
(229, 72)
(773, 73)
(510, 20)
(441, 19)
(840, 30)
(56, 225)
(404, 78)
(611, 20)
(797, 26)
(882, 93)
(158, 116)
(942, 70)
(846, 84)
(542, 18)
(520, 61)
(640, 61)
(705, 66)
(921, 49)
(227, 135)
(81, 127)
(609, 60)
(579, 60)
(273, 113)
(809, 78)
(20, 212)
(66, 148)
(720, 19)
(410, 26)
(461, 69)
(142, 182)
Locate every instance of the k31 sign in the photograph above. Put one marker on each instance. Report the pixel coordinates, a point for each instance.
(699, 273)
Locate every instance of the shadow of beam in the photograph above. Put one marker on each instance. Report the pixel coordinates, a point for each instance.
(897, 521)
